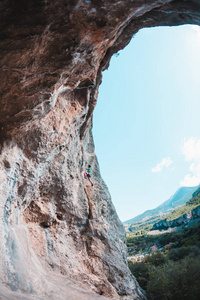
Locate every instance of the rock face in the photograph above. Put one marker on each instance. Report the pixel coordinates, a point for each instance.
(185, 219)
(59, 236)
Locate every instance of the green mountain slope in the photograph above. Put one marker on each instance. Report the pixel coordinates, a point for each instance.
(181, 196)
(190, 205)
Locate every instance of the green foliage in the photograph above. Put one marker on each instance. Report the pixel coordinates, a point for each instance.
(180, 253)
(156, 259)
(178, 212)
(195, 201)
(141, 272)
(142, 227)
(171, 276)
(175, 273)
(186, 237)
(175, 281)
(172, 280)
(190, 205)
(158, 285)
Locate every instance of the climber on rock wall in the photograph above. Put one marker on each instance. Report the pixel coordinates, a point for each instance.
(88, 175)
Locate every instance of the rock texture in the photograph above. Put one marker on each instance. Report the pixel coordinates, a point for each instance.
(59, 236)
(189, 217)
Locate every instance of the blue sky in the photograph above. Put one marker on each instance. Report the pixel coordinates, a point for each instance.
(146, 123)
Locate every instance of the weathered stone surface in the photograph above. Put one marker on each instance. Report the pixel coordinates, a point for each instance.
(58, 234)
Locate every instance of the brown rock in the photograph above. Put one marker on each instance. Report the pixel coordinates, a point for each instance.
(59, 235)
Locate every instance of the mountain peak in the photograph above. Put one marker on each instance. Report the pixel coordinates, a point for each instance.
(180, 197)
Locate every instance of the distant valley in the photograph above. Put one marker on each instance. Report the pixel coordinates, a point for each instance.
(164, 249)
(180, 197)
(146, 220)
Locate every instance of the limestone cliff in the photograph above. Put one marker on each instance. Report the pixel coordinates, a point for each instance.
(187, 218)
(61, 238)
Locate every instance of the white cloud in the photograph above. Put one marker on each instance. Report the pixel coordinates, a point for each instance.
(190, 180)
(165, 162)
(196, 28)
(191, 151)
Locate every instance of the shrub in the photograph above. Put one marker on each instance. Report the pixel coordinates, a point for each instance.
(176, 280)
(158, 285)
(156, 259)
(180, 253)
(141, 272)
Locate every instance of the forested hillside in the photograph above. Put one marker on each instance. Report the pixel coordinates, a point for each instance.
(173, 219)
(179, 198)
(172, 260)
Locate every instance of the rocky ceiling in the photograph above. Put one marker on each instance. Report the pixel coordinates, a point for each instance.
(51, 47)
